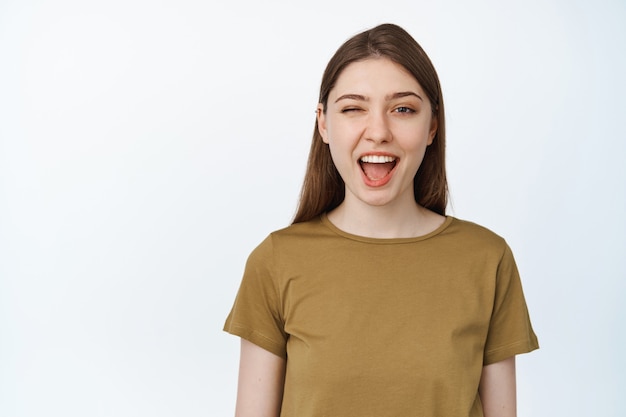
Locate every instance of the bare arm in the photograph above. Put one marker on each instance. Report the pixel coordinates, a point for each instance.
(497, 389)
(261, 381)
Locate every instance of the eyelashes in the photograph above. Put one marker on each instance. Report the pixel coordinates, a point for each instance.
(399, 109)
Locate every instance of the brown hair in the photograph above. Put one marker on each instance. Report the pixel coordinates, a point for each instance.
(323, 188)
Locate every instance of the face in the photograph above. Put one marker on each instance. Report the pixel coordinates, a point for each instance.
(378, 123)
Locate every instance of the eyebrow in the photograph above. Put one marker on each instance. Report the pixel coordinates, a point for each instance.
(394, 96)
(404, 94)
(357, 97)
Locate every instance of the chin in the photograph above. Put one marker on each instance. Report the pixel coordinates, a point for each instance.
(378, 201)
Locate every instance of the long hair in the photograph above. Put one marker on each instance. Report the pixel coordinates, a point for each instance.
(323, 188)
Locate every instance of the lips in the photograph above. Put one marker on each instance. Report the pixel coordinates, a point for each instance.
(377, 168)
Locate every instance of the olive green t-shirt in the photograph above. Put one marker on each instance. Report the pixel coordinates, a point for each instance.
(383, 327)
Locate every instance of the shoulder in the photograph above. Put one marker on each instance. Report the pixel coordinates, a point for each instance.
(288, 251)
(291, 237)
(474, 229)
(472, 235)
(298, 233)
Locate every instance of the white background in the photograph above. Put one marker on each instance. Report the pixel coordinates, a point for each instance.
(146, 147)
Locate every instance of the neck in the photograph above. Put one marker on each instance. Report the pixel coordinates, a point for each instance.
(385, 222)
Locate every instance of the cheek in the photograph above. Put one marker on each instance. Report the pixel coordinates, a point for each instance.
(335, 152)
(339, 137)
(431, 136)
(415, 139)
(341, 156)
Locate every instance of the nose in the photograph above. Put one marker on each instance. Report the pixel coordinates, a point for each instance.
(377, 129)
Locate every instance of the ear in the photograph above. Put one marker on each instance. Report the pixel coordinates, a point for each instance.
(321, 123)
(434, 124)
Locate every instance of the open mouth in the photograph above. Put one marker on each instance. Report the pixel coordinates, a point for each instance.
(377, 167)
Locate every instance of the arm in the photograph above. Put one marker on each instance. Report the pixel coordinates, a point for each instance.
(261, 381)
(497, 389)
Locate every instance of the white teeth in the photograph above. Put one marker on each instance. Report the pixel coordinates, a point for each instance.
(377, 159)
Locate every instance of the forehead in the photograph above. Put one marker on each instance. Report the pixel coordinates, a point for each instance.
(375, 75)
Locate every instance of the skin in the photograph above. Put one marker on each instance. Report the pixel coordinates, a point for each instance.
(498, 389)
(376, 107)
(261, 381)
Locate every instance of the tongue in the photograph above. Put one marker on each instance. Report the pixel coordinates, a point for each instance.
(377, 171)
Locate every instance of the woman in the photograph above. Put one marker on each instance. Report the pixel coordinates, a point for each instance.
(373, 302)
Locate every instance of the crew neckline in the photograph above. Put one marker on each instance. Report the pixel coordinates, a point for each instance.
(326, 222)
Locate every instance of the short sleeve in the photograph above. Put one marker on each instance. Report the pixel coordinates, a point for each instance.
(510, 329)
(257, 314)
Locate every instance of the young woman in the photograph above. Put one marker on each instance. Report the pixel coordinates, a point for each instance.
(374, 302)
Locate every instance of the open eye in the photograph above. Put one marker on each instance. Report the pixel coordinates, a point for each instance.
(404, 109)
